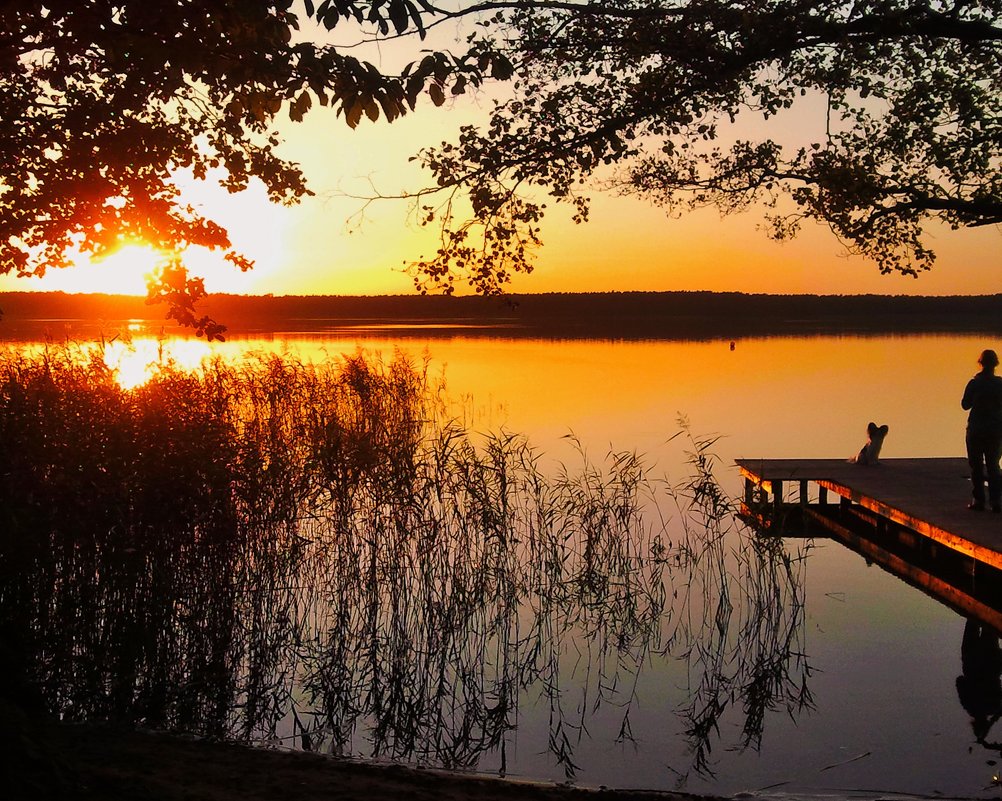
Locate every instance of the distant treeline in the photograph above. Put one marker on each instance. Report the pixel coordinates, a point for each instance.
(616, 314)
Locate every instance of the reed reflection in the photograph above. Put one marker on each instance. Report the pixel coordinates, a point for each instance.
(313, 552)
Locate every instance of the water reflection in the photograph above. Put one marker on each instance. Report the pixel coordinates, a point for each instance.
(314, 554)
(961, 583)
(979, 686)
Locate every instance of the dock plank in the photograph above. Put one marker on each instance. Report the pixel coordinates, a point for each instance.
(928, 495)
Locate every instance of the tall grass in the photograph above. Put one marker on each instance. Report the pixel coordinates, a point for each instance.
(270, 548)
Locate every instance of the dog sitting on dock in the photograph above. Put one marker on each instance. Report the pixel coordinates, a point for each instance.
(870, 452)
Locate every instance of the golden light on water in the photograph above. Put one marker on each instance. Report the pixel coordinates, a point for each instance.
(136, 361)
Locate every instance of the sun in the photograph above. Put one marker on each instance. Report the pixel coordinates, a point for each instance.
(128, 269)
(125, 271)
(257, 228)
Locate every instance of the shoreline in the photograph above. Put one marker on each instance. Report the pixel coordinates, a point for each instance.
(628, 315)
(89, 761)
(106, 762)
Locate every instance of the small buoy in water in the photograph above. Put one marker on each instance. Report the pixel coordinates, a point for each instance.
(732, 344)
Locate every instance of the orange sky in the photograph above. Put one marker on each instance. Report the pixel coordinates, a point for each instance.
(627, 245)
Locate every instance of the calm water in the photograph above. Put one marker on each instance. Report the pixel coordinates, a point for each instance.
(878, 659)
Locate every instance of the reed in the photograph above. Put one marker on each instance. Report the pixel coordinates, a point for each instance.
(271, 549)
(744, 621)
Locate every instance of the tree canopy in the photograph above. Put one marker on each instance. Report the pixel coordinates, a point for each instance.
(102, 102)
(654, 98)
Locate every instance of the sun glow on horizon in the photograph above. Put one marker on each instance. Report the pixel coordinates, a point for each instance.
(257, 229)
(126, 271)
(336, 243)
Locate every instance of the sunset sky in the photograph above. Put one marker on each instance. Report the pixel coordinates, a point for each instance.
(322, 247)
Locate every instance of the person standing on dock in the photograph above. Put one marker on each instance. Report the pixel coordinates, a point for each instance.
(983, 397)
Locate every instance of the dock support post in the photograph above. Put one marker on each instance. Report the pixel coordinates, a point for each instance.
(777, 493)
(822, 496)
(803, 493)
(749, 492)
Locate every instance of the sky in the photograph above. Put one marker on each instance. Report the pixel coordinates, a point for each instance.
(325, 246)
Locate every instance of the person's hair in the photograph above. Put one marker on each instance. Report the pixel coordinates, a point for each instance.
(988, 358)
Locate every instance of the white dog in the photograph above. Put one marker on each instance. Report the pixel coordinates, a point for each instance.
(870, 452)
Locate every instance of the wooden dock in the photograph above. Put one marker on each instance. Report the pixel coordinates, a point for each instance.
(929, 496)
(908, 515)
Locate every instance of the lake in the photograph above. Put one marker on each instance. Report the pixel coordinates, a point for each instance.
(861, 668)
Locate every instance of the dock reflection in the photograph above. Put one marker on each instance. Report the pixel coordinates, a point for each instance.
(968, 586)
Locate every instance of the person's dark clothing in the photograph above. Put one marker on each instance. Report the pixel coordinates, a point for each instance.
(983, 397)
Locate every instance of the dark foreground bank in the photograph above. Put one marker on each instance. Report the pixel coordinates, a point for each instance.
(79, 762)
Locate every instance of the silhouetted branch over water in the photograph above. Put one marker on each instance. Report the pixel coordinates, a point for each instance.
(272, 550)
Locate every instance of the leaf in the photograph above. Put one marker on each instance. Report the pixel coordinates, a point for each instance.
(353, 113)
(414, 86)
(391, 107)
(426, 67)
(399, 15)
(437, 95)
(327, 15)
(300, 106)
(501, 68)
(416, 17)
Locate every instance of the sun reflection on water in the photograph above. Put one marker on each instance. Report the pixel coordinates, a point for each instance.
(135, 361)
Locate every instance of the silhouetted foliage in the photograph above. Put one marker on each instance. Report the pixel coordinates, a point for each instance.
(898, 123)
(315, 553)
(101, 102)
